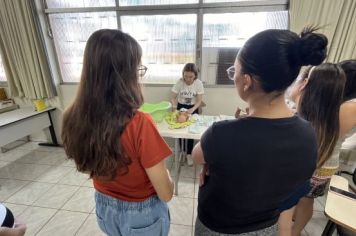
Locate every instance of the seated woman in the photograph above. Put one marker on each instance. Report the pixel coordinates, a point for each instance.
(256, 162)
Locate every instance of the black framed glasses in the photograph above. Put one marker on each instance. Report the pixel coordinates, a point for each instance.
(231, 72)
(141, 70)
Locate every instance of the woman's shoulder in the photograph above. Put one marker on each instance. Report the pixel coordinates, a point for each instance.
(349, 104)
(198, 82)
(139, 120)
(349, 108)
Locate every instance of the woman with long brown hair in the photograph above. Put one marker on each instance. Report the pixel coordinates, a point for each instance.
(318, 95)
(117, 145)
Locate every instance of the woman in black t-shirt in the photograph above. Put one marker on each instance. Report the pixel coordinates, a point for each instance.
(253, 164)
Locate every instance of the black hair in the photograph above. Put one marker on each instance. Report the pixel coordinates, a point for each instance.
(274, 57)
(349, 67)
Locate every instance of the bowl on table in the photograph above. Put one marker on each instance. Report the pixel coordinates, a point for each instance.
(157, 110)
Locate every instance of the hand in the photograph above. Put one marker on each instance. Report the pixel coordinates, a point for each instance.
(203, 173)
(18, 230)
(191, 110)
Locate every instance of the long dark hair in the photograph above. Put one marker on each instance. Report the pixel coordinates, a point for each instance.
(109, 95)
(274, 57)
(320, 104)
(349, 67)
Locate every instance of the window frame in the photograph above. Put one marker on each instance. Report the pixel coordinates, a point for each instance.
(199, 9)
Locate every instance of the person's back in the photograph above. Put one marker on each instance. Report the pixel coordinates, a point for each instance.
(255, 163)
(257, 169)
(117, 145)
(138, 138)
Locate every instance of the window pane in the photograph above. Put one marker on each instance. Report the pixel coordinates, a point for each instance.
(167, 41)
(71, 32)
(154, 2)
(224, 34)
(209, 1)
(2, 71)
(79, 3)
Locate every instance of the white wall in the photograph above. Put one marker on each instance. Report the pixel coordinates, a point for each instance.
(219, 100)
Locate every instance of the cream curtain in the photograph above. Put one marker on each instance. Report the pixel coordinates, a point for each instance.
(23, 53)
(337, 19)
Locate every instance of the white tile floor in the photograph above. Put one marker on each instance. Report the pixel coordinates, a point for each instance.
(44, 190)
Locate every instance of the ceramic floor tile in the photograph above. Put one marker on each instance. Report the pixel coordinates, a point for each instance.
(88, 183)
(74, 178)
(34, 146)
(181, 210)
(317, 224)
(13, 155)
(28, 146)
(55, 174)
(16, 209)
(30, 193)
(185, 171)
(10, 186)
(57, 196)
(69, 163)
(3, 163)
(82, 200)
(35, 218)
(40, 157)
(196, 188)
(318, 206)
(304, 233)
(90, 227)
(23, 171)
(63, 223)
(322, 200)
(180, 230)
(186, 187)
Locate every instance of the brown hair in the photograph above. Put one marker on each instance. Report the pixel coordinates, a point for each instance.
(320, 104)
(190, 67)
(109, 95)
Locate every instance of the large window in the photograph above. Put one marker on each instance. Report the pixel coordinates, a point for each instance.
(2, 72)
(223, 37)
(71, 32)
(207, 32)
(167, 43)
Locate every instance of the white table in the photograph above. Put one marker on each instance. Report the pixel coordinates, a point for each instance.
(339, 209)
(19, 123)
(182, 133)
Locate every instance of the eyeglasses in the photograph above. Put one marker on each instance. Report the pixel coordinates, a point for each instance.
(141, 70)
(231, 72)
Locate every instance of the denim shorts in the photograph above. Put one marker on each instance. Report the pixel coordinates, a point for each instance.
(121, 218)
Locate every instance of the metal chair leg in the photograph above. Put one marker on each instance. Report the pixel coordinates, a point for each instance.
(329, 228)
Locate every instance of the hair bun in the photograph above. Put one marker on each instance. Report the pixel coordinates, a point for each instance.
(311, 47)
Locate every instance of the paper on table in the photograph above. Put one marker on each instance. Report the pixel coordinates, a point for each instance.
(202, 123)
